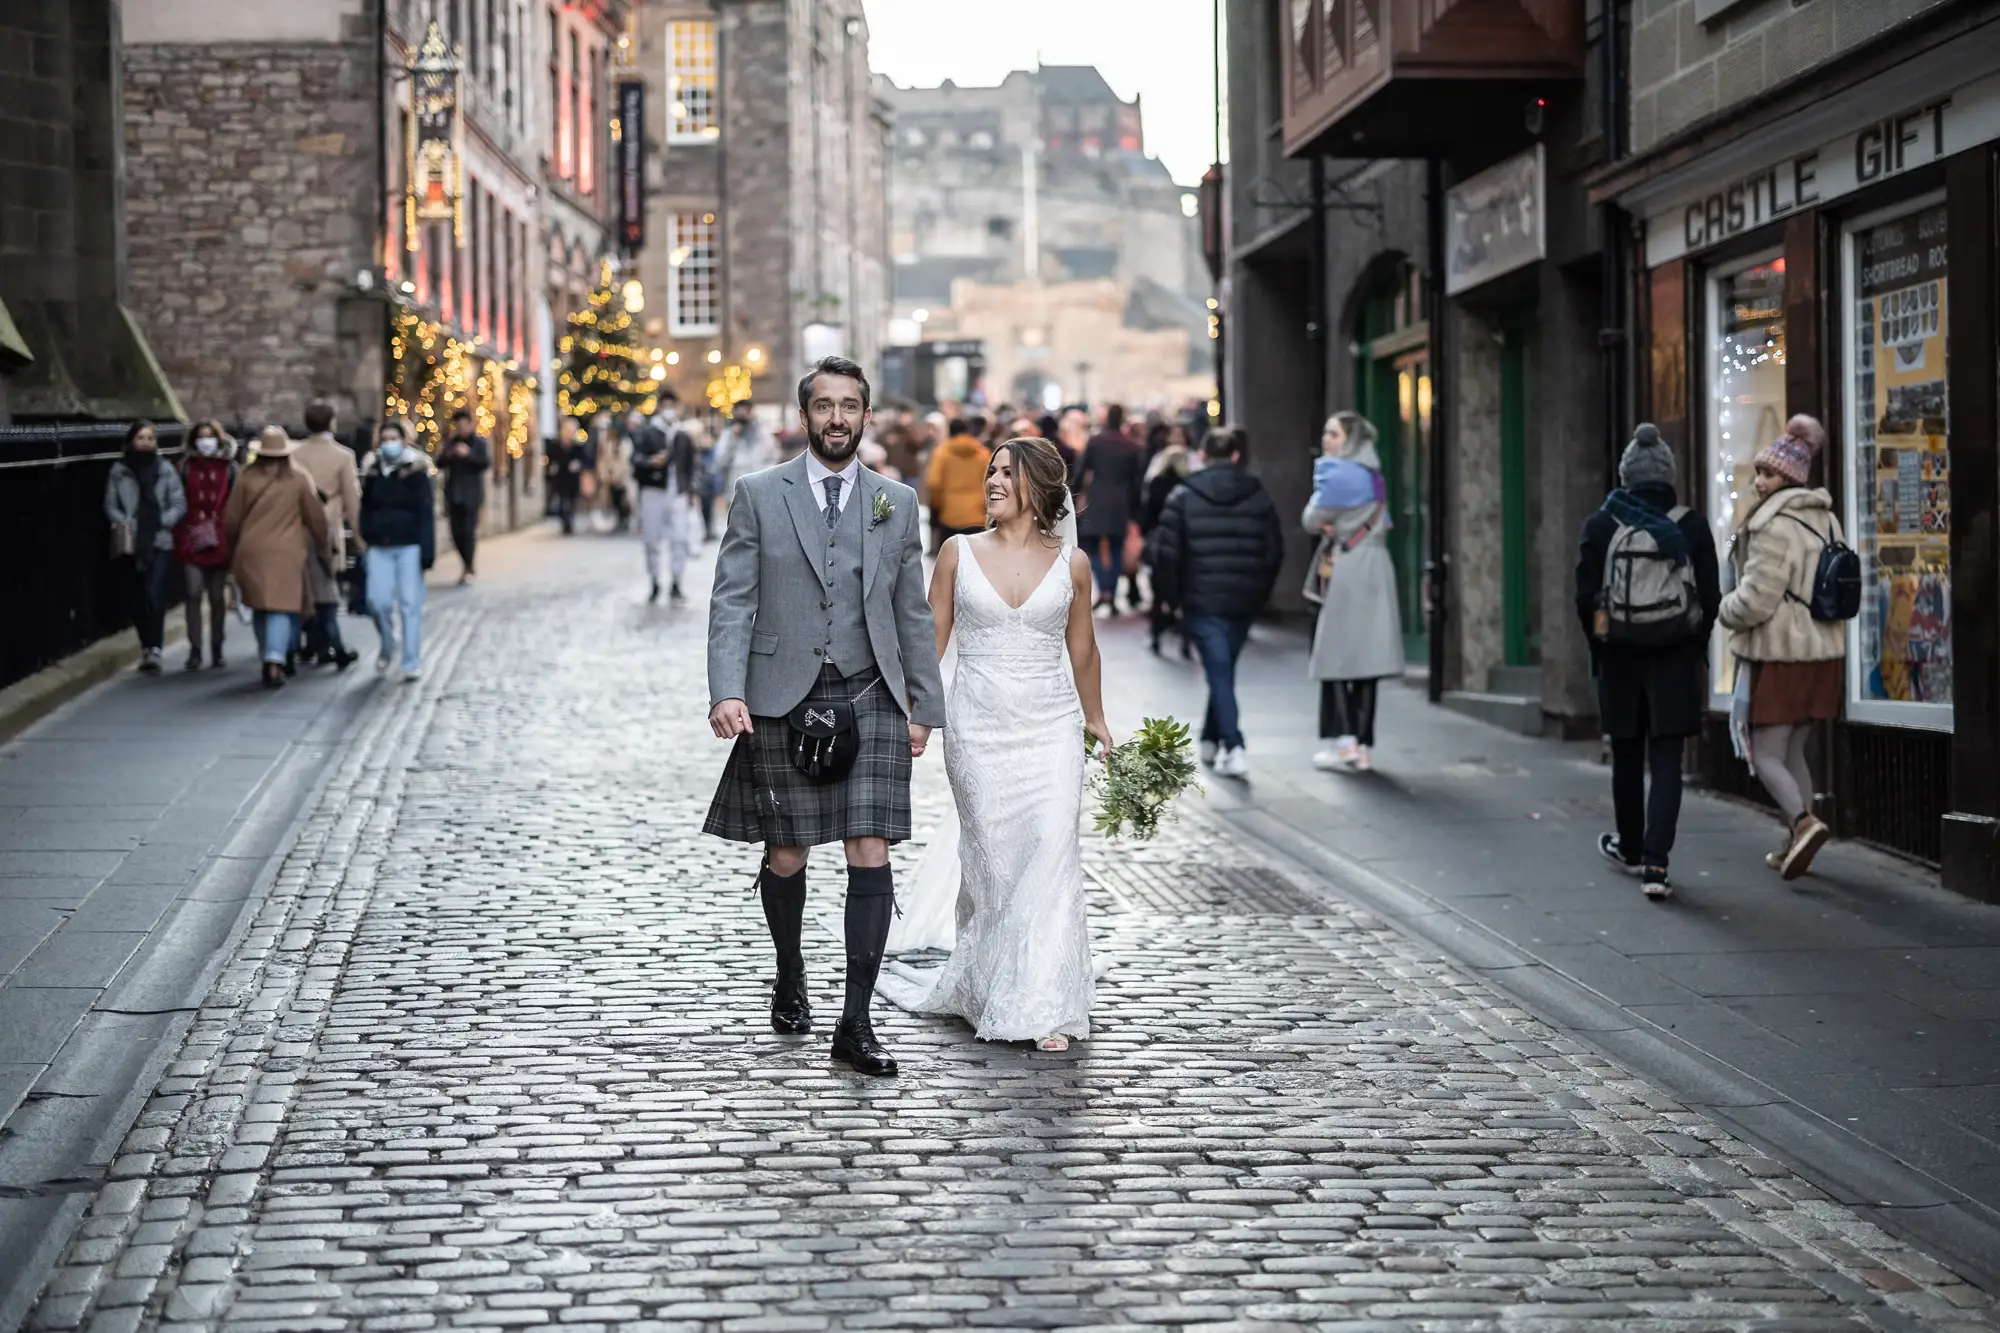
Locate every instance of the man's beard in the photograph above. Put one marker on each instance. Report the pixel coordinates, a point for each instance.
(834, 451)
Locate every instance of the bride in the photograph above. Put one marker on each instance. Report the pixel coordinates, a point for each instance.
(1017, 596)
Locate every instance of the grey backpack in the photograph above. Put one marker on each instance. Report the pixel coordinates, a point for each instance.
(1649, 598)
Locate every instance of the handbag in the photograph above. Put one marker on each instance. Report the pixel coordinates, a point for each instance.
(1319, 573)
(124, 540)
(203, 535)
(823, 742)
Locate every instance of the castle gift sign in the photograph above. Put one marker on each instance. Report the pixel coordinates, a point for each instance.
(1891, 145)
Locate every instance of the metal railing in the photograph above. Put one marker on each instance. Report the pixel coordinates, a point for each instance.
(61, 590)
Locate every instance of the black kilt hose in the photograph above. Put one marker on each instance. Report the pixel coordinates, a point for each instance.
(763, 798)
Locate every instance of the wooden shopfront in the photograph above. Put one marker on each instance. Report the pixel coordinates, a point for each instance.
(1840, 261)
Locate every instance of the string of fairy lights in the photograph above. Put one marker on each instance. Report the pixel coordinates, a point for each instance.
(600, 368)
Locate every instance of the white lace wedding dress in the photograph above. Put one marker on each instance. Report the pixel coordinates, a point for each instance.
(1020, 965)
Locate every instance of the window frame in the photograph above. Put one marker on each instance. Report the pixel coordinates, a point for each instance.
(1914, 715)
(696, 58)
(688, 223)
(1713, 278)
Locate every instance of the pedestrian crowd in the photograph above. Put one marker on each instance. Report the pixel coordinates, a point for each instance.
(294, 529)
(1173, 522)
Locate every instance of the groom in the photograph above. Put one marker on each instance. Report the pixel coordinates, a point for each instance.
(819, 595)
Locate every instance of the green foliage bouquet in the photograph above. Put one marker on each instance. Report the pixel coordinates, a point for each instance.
(1142, 777)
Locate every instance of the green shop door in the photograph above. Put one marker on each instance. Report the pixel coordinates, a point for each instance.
(1393, 387)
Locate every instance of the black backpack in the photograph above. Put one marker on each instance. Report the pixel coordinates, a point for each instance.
(1836, 588)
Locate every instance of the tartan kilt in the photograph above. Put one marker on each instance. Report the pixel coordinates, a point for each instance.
(763, 798)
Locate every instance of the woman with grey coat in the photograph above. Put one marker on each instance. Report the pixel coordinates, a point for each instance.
(143, 499)
(1359, 636)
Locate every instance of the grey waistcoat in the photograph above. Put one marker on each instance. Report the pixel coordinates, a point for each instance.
(847, 645)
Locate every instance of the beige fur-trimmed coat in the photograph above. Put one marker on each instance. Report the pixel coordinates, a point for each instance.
(1775, 556)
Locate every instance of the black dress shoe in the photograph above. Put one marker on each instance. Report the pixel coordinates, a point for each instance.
(854, 1042)
(791, 1011)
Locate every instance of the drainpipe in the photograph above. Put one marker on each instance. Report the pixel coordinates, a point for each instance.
(1316, 296)
(1437, 565)
(1614, 336)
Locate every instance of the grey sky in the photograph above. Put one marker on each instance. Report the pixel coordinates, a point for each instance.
(1158, 49)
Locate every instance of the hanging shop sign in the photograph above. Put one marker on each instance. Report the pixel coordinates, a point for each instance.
(436, 160)
(628, 155)
(1494, 223)
(1891, 145)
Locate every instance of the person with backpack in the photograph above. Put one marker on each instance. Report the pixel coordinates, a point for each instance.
(1648, 592)
(1796, 582)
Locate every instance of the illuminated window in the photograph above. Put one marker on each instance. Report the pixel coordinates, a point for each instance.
(694, 302)
(691, 82)
(1746, 411)
(1898, 458)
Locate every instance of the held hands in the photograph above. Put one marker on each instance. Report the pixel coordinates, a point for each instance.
(919, 738)
(731, 718)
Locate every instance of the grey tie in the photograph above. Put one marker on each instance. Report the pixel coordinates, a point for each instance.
(832, 485)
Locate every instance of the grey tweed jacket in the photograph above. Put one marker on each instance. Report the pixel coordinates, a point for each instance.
(768, 611)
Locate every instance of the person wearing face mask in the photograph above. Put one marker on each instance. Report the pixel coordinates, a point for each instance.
(143, 499)
(208, 474)
(399, 525)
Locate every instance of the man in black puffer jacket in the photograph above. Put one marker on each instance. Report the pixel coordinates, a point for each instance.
(1219, 548)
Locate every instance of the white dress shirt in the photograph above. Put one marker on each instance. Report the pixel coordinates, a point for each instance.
(817, 474)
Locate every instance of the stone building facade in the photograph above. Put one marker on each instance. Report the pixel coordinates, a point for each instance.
(276, 254)
(1072, 334)
(1041, 179)
(767, 242)
(251, 192)
(1693, 59)
(1811, 199)
(69, 347)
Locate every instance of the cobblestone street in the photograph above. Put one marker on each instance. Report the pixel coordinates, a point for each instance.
(494, 1054)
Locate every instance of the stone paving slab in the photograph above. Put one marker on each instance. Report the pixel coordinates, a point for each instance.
(492, 1056)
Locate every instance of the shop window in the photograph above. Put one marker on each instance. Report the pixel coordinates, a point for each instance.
(1898, 458)
(1746, 377)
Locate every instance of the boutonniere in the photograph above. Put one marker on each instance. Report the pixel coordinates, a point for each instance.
(884, 510)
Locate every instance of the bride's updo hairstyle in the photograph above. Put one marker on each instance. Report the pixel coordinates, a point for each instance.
(1041, 477)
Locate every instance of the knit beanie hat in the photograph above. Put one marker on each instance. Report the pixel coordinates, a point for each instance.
(1791, 455)
(1646, 458)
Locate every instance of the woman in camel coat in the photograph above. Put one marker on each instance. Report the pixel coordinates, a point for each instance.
(275, 523)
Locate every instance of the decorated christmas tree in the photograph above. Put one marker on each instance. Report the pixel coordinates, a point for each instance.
(601, 369)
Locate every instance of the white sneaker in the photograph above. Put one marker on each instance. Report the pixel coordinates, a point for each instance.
(1208, 751)
(1231, 763)
(1337, 756)
(381, 665)
(1364, 759)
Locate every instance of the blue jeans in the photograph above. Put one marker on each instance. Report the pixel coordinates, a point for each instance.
(146, 593)
(276, 631)
(1219, 640)
(396, 579)
(1107, 562)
